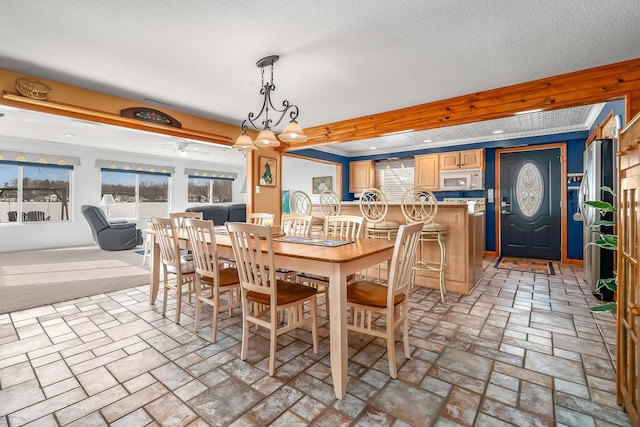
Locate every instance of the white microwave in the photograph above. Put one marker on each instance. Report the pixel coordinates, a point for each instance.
(461, 180)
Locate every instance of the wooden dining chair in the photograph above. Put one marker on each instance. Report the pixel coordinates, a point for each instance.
(166, 236)
(296, 223)
(339, 227)
(365, 299)
(265, 298)
(210, 274)
(179, 218)
(261, 218)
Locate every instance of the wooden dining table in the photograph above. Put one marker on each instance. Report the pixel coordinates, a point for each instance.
(334, 262)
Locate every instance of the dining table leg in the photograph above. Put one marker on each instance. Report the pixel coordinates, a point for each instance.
(338, 329)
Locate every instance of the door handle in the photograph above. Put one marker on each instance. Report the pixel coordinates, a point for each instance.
(505, 212)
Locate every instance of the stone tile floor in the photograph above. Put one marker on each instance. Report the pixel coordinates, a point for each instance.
(521, 350)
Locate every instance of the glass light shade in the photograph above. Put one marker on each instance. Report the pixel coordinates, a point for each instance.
(267, 138)
(244, 143)
(292, 133)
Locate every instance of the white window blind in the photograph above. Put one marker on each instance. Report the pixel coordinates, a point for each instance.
(393, 179)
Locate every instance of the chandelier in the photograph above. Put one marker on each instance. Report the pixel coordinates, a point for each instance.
(266, 138)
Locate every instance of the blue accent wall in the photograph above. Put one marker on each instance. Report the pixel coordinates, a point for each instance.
(575, 142)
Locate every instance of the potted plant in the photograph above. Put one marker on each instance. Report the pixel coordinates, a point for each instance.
(605, 241)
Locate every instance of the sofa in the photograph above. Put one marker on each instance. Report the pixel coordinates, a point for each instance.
(220, 214)
(111, 235)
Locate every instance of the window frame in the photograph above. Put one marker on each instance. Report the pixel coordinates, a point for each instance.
(20, 210)
(137, 174)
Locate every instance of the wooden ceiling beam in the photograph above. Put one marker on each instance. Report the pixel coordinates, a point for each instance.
(600, 84)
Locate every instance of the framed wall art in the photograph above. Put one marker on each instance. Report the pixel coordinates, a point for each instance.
(267, 171)
(321, 183)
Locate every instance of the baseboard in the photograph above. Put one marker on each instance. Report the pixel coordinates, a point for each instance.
(579, 262)
(490, 253)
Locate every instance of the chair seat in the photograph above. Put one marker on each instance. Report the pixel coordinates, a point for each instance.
(370, 294)
(228, 277)
(434, 227)
(383, 225)
(186, 267)
(288, 292)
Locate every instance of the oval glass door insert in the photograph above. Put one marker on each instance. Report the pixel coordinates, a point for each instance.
(529, 189)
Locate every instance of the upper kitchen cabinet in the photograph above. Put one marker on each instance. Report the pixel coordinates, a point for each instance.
(427, 172)
(362, 175)
(469, 159)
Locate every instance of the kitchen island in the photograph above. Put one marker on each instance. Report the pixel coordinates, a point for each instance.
(465, 242)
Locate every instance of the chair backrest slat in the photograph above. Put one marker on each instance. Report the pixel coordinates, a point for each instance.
(345, 226)
(296, 223)
(202, 240)
(261, 218)
(179, 218)
(167, 239)
(253, 252)
(402, 261)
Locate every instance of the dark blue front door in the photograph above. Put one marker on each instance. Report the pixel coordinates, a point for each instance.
(531, 204)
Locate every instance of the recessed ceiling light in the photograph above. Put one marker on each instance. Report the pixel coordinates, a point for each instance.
(69, 135)
(428, 140)
(498, 131)
(372, 148)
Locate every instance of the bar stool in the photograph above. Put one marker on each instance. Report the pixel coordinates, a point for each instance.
(374, 207)
(420, 205)
(300, 203)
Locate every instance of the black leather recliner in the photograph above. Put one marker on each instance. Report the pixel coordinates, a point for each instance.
(111, 236)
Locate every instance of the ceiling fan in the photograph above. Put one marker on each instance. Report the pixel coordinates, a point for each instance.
(183, 149)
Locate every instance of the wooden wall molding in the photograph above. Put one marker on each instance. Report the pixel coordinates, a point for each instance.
(108, 118)
(600, 84)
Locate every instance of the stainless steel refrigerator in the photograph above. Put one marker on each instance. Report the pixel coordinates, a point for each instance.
(598, 172)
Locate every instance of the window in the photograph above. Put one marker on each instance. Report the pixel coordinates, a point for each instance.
(394, 177)
(208, 190)
(32, 192)
(137, 194)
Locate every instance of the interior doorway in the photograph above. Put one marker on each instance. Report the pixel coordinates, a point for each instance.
(531, 202)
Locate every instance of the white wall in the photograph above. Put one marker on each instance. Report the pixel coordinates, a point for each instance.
(298, 173)
(85, 190)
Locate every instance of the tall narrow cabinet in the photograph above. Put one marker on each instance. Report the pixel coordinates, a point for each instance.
(628, 315)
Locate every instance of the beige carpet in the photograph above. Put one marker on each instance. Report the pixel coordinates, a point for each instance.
(34, 278)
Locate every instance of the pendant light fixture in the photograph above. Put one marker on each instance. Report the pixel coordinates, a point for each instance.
(266, 138)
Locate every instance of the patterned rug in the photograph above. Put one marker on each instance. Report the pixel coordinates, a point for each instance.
(527, 265)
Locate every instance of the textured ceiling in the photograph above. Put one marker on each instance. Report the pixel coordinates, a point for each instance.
(339, 60)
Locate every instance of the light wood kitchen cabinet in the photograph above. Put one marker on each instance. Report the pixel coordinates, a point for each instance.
(362, 175)
(628, 295)
(469, 159)
(427, 172)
